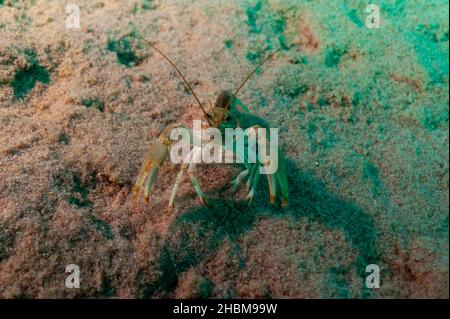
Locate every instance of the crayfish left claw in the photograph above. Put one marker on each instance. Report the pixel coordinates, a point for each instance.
(156, 155)
(150, 182)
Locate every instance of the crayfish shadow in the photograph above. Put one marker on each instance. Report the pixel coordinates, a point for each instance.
(198, 232)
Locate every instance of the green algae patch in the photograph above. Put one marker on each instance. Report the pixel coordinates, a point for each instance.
(431, 55)
(94, 102)
(7, 239)
(290, 84)
(433, 32)
(267, 26)
(354, 17)
(431, 118)
(80, 191)
(25, 79)
(106, 288)
(63, 138)
(321, 132)
(372, 174)
(333, 56)
(338, 284)
(229, 44)
(148, 5)
(205, 288)
(71, 182)
(103, 227)
(252, 14)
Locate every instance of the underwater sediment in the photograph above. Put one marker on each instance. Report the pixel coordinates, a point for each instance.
(363, 122)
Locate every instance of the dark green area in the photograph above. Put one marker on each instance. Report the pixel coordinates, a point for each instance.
(134, 10)
(78, 188)
(354, 17)
(63, 138)
(23, 21)
(431, 118)
(337, 285)
(372, 174)
(262, 20)
(252, 15)
(6, 243)
(145, 78)
(88, 44)
(107, 289)
(71, 181)
(254, 55)
(15, 3)
(80, 203)
(321, 132)
(24, 80)
(127, 232)
(148, 5)
(357, 98)
(333, 56)
(124, 51)
(94, 102)
(297, 58)
(205, 288)
(229, 44)
(12, 151)
(430, 53)
(103, 227)
(433, 32)
(291, 84)
(247, 120)
(80, 191)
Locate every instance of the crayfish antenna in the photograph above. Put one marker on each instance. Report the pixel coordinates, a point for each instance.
(177, 70)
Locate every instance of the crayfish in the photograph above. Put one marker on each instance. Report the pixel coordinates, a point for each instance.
(227, 112)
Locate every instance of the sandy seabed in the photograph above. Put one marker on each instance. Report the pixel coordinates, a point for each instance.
(363, 119)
